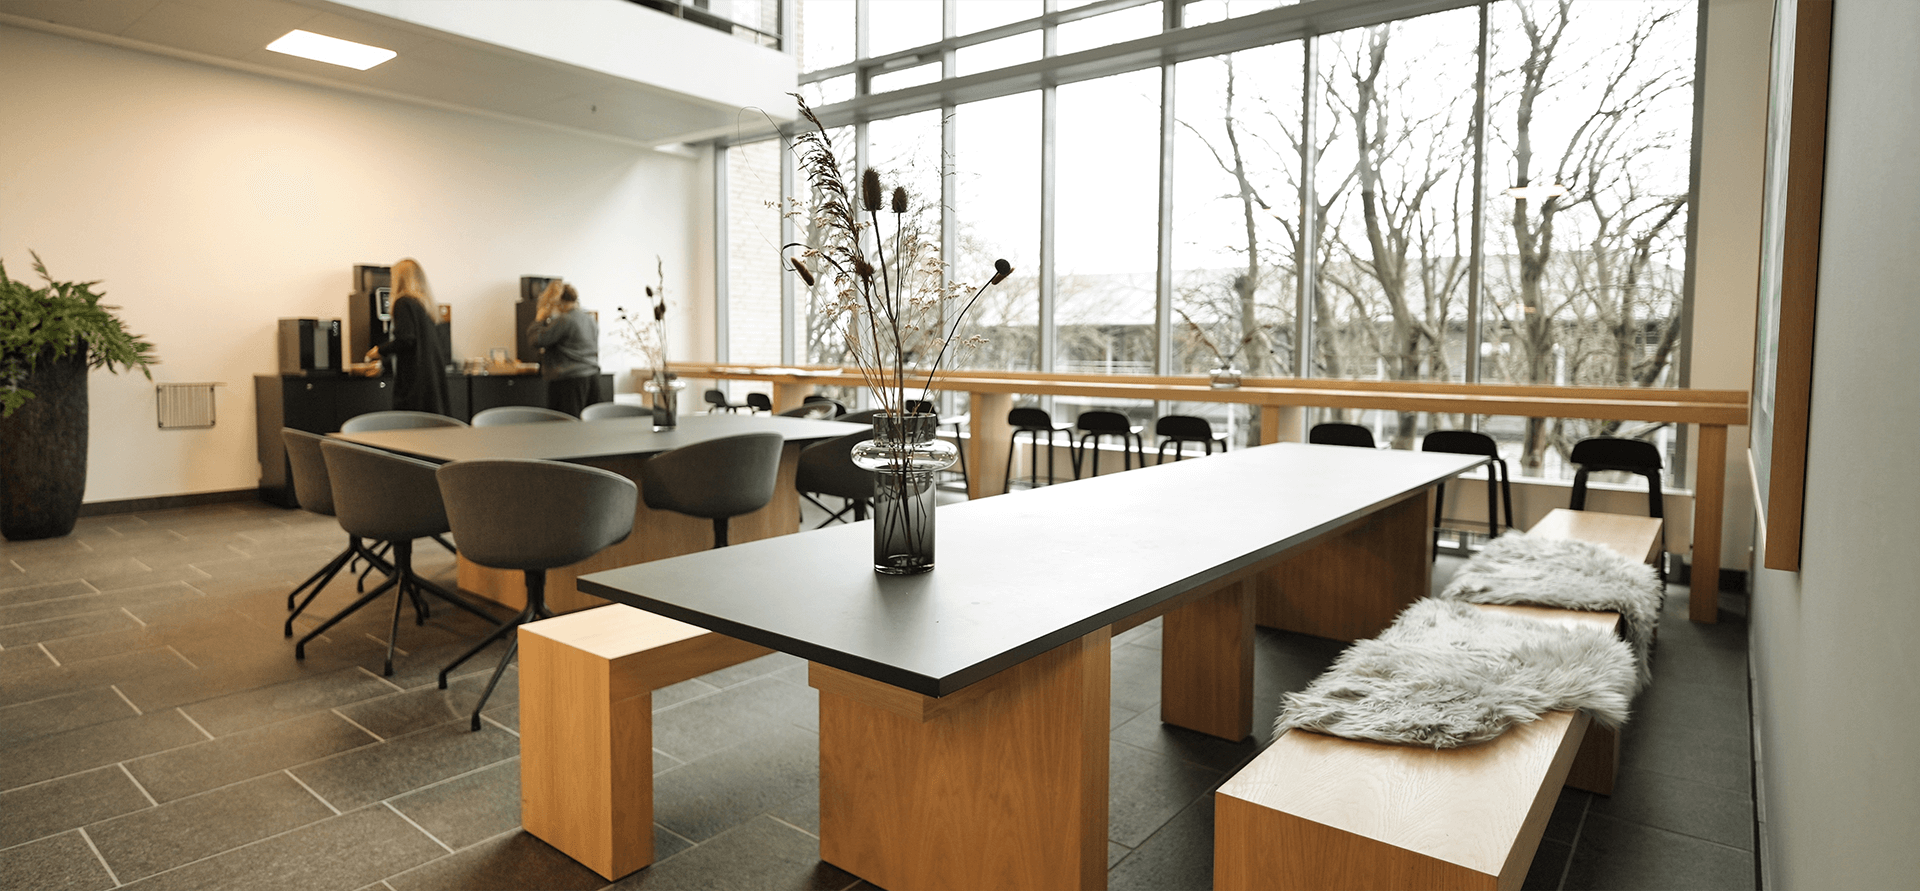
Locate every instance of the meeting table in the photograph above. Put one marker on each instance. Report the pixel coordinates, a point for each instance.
(621, 445)
(964, 712)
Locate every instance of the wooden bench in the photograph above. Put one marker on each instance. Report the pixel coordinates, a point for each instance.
(586, 725)
(1317, 811)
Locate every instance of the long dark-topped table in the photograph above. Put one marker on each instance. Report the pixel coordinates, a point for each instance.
(620, 445)
(964, 713)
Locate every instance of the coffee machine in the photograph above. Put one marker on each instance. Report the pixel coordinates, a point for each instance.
(370, 313)
(523, 313)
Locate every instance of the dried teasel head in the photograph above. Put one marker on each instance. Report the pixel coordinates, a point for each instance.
(806, 275)
(1001, 269)
(863, 269)
(870, 190)
(660, 310)
(899, 199)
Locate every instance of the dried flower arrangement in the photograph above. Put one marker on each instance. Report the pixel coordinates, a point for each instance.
(891, 297)
(646, 334)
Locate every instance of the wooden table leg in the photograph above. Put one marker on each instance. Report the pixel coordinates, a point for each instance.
(790, 395)
(1352, 583)
(987, 443)
(1000, 785)
(1709, 492)
(1281, 423)
(1206, 667)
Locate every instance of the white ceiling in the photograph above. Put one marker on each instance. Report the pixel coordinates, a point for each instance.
(434, 66)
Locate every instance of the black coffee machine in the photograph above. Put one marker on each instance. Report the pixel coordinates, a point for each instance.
(370, 313)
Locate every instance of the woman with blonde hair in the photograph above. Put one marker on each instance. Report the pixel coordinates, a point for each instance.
(412, 351)
(570, 349)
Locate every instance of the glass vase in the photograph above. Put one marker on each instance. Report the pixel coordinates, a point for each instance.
(666, 400)
(904, 455)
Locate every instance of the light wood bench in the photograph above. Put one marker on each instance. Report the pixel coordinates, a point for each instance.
(586, 725)
(1317, 811)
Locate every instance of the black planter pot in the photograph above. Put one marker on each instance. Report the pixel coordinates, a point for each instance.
(43, 452)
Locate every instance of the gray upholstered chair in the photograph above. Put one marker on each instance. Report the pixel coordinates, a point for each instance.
(718, 479)
(819, 411)
(392, 498)
(601, 411)
(503, 415)
(397, 420)
(532, 516)
(314, 489)
(400, 420)
(827, 468)
(1336, 433)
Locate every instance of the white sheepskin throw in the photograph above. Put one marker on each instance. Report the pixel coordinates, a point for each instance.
(1447, 674)
(1517, 568)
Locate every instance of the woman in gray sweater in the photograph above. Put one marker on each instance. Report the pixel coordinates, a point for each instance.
(570, 349)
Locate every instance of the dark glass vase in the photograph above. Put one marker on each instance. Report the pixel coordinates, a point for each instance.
(904, 455)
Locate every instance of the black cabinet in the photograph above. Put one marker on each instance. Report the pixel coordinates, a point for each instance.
(313, 404)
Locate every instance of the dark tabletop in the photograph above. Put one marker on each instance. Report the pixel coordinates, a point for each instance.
(564, 441)
(1020, 574)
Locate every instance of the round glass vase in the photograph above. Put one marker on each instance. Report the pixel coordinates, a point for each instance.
(666, 400)
(904, 455)
(1226, 377)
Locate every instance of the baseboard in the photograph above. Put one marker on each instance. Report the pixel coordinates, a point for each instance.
(167, 502)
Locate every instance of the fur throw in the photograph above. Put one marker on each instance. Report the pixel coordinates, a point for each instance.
(1447, 674)
(1517, 568)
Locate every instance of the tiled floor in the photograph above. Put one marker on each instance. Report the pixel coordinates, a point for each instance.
(156, 732)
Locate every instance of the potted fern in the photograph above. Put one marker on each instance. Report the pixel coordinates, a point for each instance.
(50, 336)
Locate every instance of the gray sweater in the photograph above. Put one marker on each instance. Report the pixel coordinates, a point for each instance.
(570, 343)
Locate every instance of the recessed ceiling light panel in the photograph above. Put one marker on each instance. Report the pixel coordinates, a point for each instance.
(331, 50)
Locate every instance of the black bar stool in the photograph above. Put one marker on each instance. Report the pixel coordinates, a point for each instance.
(1467, 442)
(1178, 430)
(1096, 425)
(1033, 422)
(532, 516)
(759, 402)
(1629, 456)
(1335, 433)
(924, 405)
(718, 401)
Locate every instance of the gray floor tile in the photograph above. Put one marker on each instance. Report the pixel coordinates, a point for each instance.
(96, 746)
(348, 851)
(1563, 825)
(764, 771)
(95, 602)
(19, 659)
(403, 764)
(1615, 854)
(709, 724)
(69, 802)
(229, 759)
(673, 695)
(70, 626)
(1135, 680)
(1548, 867)
(61, 863)
(761, 855)
(467, 810)
(139, 578)
(44, 592)
(31, 720)
(1178, 855)
(266, 705)
(179, 832)
(398, 714)
(1146, 731)
(513, 860)
(1678, 805)
(1689, 753)
(72, 676)
(1146, 789)
(45, 568)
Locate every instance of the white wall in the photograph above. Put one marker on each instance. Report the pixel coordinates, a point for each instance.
(1836, 647)
(212, 202)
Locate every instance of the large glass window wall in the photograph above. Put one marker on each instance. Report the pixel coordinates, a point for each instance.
(1492, 193)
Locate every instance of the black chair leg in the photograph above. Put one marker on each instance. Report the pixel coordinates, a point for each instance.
(1506, 490)
(719, 532)
(324, 577)
(1493, 504)
(394, 631)
(536, 610)
(1013, 445)
(300, 649)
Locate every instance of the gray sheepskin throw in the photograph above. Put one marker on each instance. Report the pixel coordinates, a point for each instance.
(1517, 568)
(1447, 674)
